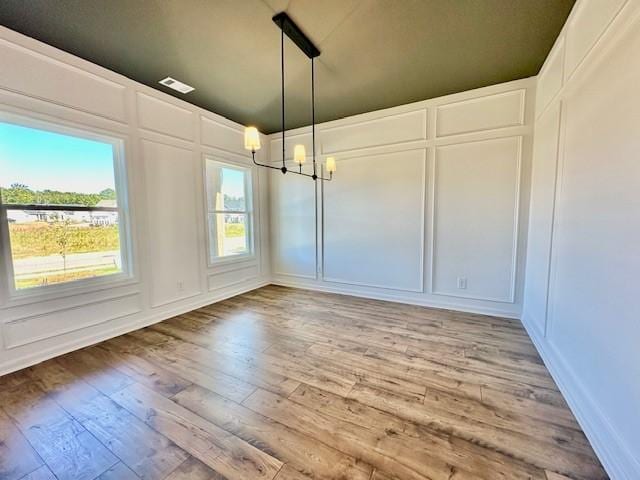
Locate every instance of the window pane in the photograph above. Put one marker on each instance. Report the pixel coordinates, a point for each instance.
(228, 234)
(233, 189)
(225, 188)
(50, 246)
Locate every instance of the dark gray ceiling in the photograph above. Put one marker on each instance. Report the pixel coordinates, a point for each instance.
(375, 53)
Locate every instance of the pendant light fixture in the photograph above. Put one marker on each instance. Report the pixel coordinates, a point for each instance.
(251, 134)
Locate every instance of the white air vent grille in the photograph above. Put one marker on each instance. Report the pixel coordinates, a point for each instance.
(176, 85)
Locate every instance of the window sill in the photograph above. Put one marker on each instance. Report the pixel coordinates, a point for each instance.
(70, 289)
(232, 260)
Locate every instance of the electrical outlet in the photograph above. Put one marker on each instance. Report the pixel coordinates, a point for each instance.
(462, 283)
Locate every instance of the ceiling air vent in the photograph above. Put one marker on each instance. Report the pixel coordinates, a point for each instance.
(176, 85)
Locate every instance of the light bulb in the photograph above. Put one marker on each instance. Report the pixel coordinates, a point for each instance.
(299, 154)
(251, 139)
(331, 165)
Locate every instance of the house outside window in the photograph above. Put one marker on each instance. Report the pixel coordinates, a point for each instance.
(62, 206)
(229, 211)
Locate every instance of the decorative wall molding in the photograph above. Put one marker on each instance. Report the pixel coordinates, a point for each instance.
(389, 130)
(65, 84)
(223, 137)
(487, 112)
(511, 297)
(515, 104)
(164, 117)
(596, 44)
(420, 209)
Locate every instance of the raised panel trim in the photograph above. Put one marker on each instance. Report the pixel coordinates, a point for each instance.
(516, 229)
(556, 59)
(205, 121)
(421, 115)
(188, 134)
(251, 272)
(573, 64)
(484, 98)
(62, 331)
(421, 285)
(119, 114)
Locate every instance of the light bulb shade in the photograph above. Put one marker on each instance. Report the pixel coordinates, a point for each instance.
(251, 139)
(331, 164)
(299, 154)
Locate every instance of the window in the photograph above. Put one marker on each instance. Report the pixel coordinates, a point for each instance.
(228, 210)
(61, 206)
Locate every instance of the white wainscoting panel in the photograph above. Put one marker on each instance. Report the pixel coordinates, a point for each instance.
(593, 299)
(587, 22)
(218, 135)
(236, 276)
(163, 117)
(481, 113)
(374, 221)
(37, 75)
(388, 130)
(543, 188)
(172, 220)
(476, 218)
(551, 77)
(293, 226)
(38, 327)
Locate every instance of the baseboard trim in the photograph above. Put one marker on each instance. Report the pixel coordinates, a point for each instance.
(394, 298)
(616, 458)
(151, 318)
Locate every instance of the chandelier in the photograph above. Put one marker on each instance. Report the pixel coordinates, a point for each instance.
(251, 135)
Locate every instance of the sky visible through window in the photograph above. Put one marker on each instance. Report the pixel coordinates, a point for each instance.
(45, 160)
(233, 182)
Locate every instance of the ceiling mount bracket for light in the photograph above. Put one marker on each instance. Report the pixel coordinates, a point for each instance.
(252, 136)
(298, 37)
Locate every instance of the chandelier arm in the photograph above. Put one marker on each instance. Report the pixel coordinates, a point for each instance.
(253, 155)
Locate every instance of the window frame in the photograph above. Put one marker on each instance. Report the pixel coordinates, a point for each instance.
(120, 173)
(249, 211)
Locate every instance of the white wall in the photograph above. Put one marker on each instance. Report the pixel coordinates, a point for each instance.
(165, 143)
(581, 295)
(425, 194)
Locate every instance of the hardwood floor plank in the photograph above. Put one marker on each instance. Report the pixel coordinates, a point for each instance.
(517, 444)
(193, 372)
(194, 469)
(384, 449)
(68, 449)
(220, 366)
(94, 371)
(17, 457)
(118, 472)
(42, 473)
(458, 452)
(372, 363)
(302, 452)
(222, 451)
(141, 370)
(146, 452)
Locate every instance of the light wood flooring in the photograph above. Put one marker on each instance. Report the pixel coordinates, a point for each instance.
(296, 385)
